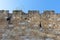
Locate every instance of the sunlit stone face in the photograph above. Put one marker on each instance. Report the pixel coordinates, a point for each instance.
(49, 39)
(29, 21)
(11, 25)
(50, 25)
(22, 23)
(49, 19)
(23, 27)
(58, 19)
(17, 17)
(27, 39)
(35, 25)
(14, 17)
(6, 17)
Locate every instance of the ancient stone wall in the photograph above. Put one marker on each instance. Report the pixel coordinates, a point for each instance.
(3, 21)
(16, 17)
(31, 26)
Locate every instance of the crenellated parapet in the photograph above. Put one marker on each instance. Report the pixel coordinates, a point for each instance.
(33, 11)
(17, 11)
(49, 12)
(4, 12)
(31, 25)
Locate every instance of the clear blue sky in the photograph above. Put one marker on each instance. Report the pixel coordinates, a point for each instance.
(26, 5)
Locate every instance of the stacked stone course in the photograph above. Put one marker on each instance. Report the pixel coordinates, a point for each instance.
(31, 26)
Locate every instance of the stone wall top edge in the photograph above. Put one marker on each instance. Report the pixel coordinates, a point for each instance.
(4, 11)
(33, 11)
(17, 11)
(37, 11)
(48, 11)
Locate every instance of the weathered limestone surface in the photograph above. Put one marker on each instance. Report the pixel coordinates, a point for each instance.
(3, 21)
(31, 26)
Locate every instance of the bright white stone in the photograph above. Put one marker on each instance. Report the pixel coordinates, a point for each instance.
(50, 25)
(29, 21)
(34, 17)
(50, 19)
(14, 17)
(22, 23)
(4, 35)
(49, 39)
(27, 39)
(58, 19)
(10, 25)
(6, 17)
(35, 25)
